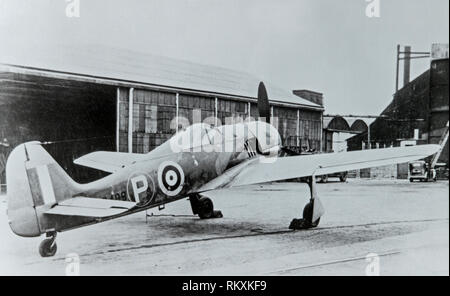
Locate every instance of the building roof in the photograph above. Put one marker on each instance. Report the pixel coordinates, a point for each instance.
(346, 124)
(128, 65)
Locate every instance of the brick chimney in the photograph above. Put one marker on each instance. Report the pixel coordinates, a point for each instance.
(309, 95)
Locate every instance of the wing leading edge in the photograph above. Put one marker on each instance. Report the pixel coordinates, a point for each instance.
(265, 170)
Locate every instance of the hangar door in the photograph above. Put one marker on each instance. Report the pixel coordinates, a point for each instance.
(152, 118)
(72, 117)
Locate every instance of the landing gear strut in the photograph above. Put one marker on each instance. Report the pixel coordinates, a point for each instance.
(204, 207)
(311, 212)
(48, 247)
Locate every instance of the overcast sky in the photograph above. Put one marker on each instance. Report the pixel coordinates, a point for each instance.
(328, 46)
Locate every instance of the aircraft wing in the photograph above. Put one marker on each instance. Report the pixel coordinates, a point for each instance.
(90, 207)
(108, 161)
(263, 170)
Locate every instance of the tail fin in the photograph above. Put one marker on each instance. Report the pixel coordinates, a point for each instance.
(35, 182)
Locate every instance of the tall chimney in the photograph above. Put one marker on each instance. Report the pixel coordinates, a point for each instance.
(407, 65)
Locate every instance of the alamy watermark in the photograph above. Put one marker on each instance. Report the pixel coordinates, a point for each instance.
(72, 264)
(73, 8)
(373, 266)
(237, 135)
(373, 8)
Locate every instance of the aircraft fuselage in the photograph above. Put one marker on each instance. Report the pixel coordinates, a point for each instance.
(170, 172)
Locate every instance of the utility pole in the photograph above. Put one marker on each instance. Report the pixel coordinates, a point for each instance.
(398, 66)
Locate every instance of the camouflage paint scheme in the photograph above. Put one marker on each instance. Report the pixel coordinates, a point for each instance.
(173, 171)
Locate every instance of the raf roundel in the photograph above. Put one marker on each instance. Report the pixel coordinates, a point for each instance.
(170, 178)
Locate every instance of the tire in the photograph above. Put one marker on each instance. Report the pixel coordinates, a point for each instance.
(48, 248)
(343, 178)
(307, 215)
(205, 208)
(411, 180)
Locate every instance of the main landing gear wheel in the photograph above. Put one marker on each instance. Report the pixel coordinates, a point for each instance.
(204, 207)
(311, 212)
(308, 215)
(48, 247)
(305, 222)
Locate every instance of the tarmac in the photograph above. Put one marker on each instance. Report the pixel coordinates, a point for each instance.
(371, 227)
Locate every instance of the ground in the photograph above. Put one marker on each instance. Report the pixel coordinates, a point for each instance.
(406, 225)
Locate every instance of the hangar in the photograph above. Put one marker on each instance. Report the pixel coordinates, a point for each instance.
(333, 124)
(418, 114)
(82, 100)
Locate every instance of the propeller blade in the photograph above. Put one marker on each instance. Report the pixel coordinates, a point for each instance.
(263, 102)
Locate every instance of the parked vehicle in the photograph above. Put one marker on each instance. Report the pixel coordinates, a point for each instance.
(342, 177)
(421, 171)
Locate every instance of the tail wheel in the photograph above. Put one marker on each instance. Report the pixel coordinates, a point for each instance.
(205, 208)
(48, 247)
(308, 214)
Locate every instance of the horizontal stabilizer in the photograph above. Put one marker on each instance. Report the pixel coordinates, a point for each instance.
(109, 161)
(90, 207)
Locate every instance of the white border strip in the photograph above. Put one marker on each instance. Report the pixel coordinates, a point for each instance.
(46, 184)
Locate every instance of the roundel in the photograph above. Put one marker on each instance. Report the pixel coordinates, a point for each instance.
(170, 178)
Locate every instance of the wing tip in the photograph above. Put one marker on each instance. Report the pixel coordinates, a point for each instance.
(430, 149)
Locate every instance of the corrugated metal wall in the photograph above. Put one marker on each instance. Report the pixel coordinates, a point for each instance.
(439, 104)
(77, 117)
(426, 97)
(152, 115)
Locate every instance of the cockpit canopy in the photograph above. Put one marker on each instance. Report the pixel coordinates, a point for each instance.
(202, 135)
(195, 135)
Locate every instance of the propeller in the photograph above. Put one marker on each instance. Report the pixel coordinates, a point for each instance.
(263, 102)
(264, 112)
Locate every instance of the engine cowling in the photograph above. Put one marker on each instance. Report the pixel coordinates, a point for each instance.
(269, 140)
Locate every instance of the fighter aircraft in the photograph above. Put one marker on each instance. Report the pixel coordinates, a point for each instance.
(43, 199)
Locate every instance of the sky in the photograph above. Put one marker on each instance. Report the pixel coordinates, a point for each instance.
(327, 46)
